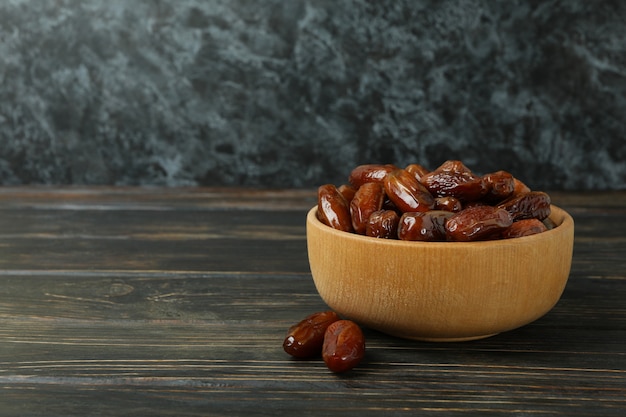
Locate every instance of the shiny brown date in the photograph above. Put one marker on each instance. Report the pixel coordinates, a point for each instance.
(520, 187)
(333, 209)
(477, 223)
(417, 170)
(369, 173)
(367, 199)
(383, 224)
(448, 204)
(526, 227)
(454, 179)
(347, 191)
(425, 227)
(344, 346)
(500, 185)
(406, 192)
(532, 205)
(306, 338)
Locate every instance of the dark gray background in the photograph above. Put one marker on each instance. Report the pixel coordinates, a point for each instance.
(294, 93)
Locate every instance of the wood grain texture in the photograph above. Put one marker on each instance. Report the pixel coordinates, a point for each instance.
(175, 302)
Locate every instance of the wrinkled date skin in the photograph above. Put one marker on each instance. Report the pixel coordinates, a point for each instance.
(454, 179)
(369, 173)
(425, 227)
(344, 346)
(477, 223)
(383, 224)
(368, 199)
(333, 209)
(532, 205)
(306, 338)
(500, 185)
(526, 227)
(406, 192)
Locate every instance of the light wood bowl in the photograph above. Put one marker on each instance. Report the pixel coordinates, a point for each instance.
(441, 291)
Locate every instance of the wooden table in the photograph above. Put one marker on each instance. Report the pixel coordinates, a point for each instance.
(148, 301)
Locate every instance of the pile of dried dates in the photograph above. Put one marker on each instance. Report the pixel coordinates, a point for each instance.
(451, 203)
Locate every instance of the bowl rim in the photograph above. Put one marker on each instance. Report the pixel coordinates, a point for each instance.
(562, 219)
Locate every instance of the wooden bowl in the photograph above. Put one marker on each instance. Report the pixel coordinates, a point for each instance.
(441, 291)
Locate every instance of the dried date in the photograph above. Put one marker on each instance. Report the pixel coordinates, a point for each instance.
(519, 187)
(367, 199)
(383, 224)
(448, 204)
(406, 192)
(526, 227)
(306, 338)
(477, 223)
(369, 173)
(347, 191)
(417, 170)
(454, 179)
(531, 205)
(425, 227)
(333, 209)
(500, 185)
(344, 346)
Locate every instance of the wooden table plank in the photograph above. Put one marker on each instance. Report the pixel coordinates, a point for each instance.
(175, 302)
(206, 240)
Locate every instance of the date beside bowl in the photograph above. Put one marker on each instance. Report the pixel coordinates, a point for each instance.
(441, 291)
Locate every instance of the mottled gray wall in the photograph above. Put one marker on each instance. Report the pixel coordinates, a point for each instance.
(297, 92)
